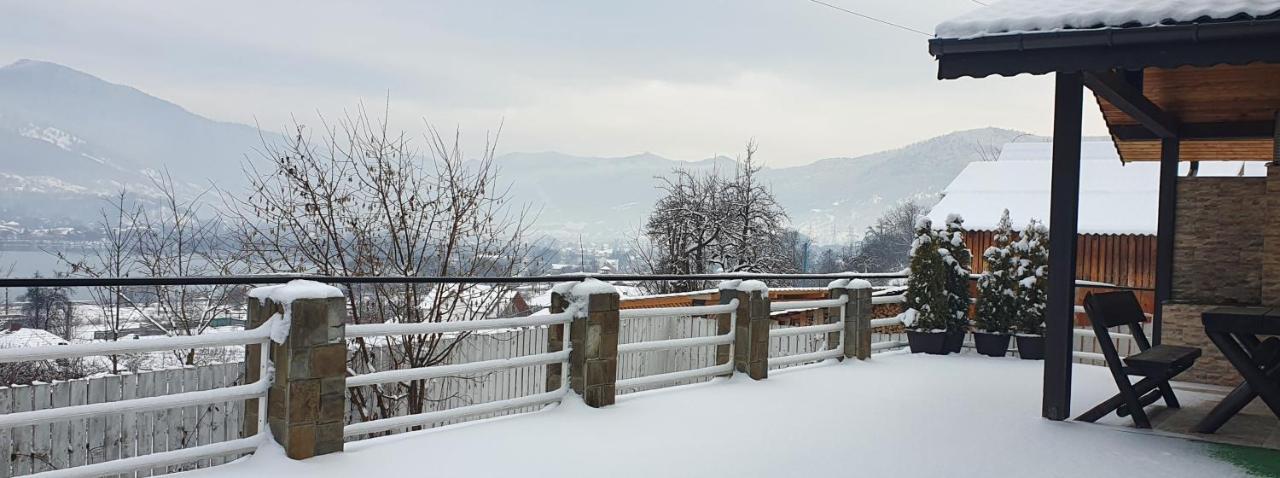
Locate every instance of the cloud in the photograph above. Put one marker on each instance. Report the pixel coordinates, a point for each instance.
(686, 79)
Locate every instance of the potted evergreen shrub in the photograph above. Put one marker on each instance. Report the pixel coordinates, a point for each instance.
(1032, 250)
(926, 298)
(958, 260)
(997, 293)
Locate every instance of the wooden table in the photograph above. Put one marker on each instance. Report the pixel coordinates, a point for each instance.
(1235, 331)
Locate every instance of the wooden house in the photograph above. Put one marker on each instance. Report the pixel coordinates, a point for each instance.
(1116, 240)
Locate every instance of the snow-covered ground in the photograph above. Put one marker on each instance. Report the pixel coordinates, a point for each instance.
(896, 415)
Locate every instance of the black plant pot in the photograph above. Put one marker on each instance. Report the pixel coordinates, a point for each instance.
(991, 345)
(955, 341)
(933, 343)
(1031, 347)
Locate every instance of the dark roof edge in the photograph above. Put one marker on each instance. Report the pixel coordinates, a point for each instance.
(1107, 37)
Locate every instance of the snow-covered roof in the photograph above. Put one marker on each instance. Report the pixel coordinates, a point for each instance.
(26, 337)
(1115, 198)
(1022, 16)
(1035, 151)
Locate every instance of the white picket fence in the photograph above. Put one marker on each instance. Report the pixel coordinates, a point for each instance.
(58, 445)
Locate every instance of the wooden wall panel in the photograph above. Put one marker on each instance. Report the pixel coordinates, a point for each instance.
(1218, 94)
(1122, 260)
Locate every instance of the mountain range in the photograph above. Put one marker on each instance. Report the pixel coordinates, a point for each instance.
(830, 200)
(68, 139)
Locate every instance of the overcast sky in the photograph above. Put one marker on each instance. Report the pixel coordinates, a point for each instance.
(683, 79)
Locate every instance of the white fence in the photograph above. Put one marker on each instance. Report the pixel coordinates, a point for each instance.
(101, 404)
(428, 418)
(679, 359)
(818, 347)
(63, 444)
(500, 368)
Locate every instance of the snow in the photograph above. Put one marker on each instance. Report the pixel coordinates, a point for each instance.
(589, 287)
(285, 294)
(1021, 16)
(27, 337)
(895, 415)
(908, 317)
(859, 284)
(744, 286)
(1115, 198)
(1040, 150)
(562, 288)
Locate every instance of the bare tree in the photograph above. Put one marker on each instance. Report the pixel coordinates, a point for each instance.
(179, 239)
(757, 239)
(686, 223)
(50, 309)
(886, 246)
(114, 257)
(364, 201)
(707, 223)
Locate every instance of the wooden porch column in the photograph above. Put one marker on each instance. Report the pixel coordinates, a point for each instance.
(1064, 208)
(1164, 232)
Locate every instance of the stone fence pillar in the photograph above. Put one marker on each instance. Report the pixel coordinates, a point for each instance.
(857, 316)
(593, 358)
(307, 398)
(751, 331)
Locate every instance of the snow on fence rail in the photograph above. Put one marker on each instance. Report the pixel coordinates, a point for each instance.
(17, 420)
(471, 368)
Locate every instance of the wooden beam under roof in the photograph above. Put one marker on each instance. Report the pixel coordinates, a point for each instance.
(1117, 91)
(1225, 112)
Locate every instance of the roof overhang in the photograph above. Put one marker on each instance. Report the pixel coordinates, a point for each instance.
(1135, 48)
(1210, 85)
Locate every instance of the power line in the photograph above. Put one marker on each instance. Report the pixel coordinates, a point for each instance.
(874, 19)
(981, 3)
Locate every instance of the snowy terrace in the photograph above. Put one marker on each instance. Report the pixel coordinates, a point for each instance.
(693, 371)
(894, 415)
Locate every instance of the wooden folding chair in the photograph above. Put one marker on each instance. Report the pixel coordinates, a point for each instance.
(1156, 365)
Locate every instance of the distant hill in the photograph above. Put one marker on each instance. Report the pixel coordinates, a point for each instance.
(831, 199)
(68, 138)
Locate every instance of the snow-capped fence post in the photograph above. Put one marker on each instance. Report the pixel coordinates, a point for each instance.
(307, 398)
(751, 332)
(857, 320)
(593, 357)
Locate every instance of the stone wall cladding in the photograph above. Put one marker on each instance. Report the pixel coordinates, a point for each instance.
(1218, 240)
(1182, 326)
(1226, 251)
(1271, 238)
